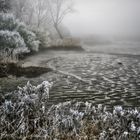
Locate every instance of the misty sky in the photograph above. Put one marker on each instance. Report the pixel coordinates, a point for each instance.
(105, 17)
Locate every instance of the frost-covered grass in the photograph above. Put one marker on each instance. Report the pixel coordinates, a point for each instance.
(24, 114)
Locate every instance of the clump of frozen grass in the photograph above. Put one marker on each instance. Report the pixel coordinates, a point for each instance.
(25, 114)
(85, 121)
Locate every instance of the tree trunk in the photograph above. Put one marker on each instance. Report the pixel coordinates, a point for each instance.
(58, 31)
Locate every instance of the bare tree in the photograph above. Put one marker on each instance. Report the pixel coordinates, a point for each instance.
(58, 9)
(18, 7)
(41, 13)
(24, 10)
(32, 12)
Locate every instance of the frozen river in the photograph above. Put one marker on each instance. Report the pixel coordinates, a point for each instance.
(104, 78)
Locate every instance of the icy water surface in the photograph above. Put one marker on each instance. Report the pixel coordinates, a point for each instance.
(102, 78)
(106, 79)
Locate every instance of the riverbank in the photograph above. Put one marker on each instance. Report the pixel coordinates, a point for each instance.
(14, 69)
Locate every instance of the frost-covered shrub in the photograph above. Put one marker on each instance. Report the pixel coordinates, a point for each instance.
(11, 40)
(9, 23)
(11, 44)
(29, 37)
(44, 38)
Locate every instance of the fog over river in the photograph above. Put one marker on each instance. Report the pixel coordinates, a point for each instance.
(105, 17)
